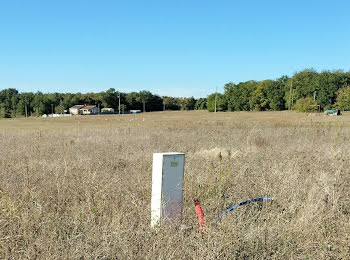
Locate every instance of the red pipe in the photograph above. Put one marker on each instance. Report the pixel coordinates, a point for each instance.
(200, 214)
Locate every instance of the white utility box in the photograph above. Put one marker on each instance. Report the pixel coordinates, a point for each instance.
(167, 187)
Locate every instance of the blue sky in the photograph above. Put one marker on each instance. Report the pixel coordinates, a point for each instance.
(177, 48)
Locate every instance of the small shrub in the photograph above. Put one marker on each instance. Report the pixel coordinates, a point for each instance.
(306, 105)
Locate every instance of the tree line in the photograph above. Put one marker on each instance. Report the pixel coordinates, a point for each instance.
(15, 104)
(305, 91)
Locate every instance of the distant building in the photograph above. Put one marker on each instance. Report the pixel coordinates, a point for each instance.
(74, 110)
(83, 110)
(135, 111)
(107, 110)
(89, 110)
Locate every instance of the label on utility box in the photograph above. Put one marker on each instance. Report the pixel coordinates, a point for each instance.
(174, 164)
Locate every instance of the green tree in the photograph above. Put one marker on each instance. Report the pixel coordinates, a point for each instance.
(77, 99)
(188, 103)
(67, 101)
(237, 96)
(3, 112)
(144, 97)
(171, 103)
(154, 103)
(305, 83)
(40, 104)
(201, 104)
(20, 107)
(275, 93)
(132, 102)
(258, 99)
(343, 98)
(221, 104)
(329, 84)
(230, 92)
(8, 101)
(110, 99)
(307, 104)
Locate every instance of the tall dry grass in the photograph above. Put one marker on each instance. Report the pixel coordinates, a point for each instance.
(79, 188)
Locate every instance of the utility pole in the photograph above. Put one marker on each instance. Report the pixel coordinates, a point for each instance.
(52, 109)
(291, 107)
(216, 94)
(144, 106)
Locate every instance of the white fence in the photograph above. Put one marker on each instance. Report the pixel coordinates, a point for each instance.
(56, 115)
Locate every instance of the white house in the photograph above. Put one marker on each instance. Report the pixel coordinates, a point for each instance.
(107, 110)
(74, 110)
(135, 111)
(83, 110)
(89, 110)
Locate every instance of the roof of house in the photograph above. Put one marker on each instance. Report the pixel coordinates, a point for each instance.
(83, 107)
(77, 106)
(88, 107)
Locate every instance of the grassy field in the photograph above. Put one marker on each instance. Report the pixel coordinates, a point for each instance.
(80, 187)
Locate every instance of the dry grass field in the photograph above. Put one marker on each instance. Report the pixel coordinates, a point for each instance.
(80, 187)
